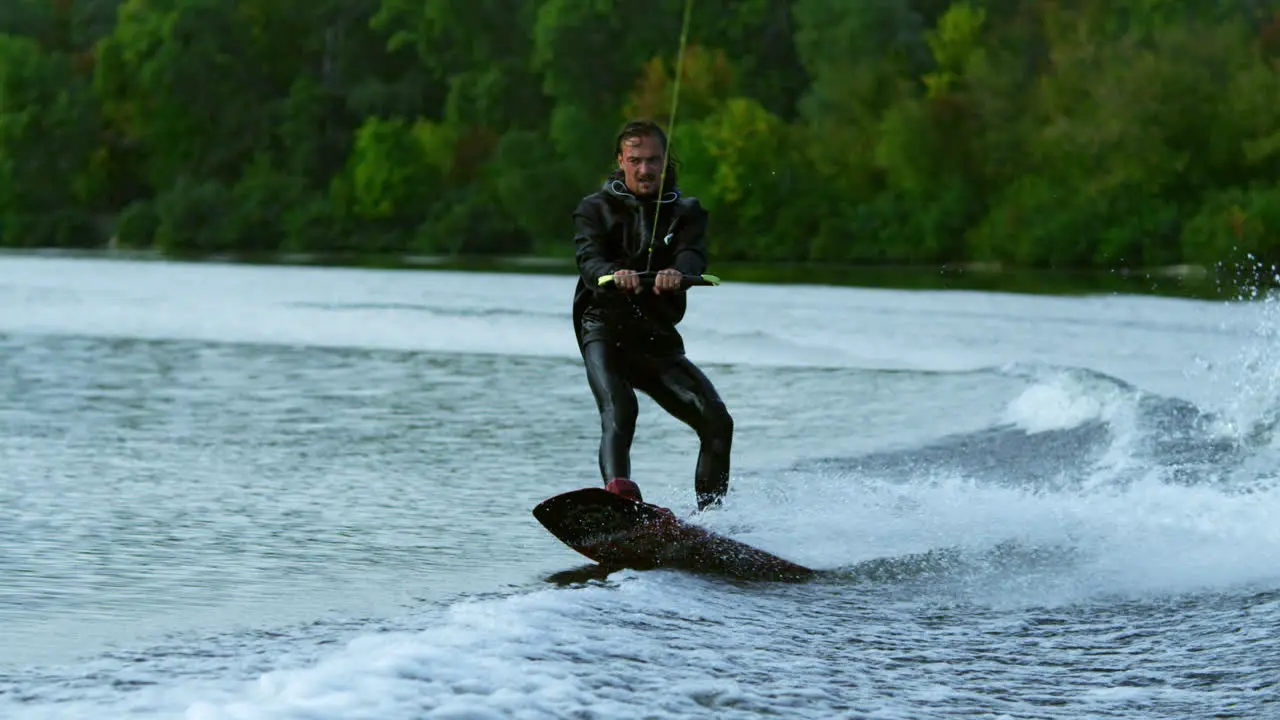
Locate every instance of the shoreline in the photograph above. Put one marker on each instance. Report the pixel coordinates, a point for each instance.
(1184, 281)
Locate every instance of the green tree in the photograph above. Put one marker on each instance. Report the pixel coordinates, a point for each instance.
(861, 58)
(178, 78)
(48, 129)
(397, 169)
(478, 50)
(732, 165)
(67, 26)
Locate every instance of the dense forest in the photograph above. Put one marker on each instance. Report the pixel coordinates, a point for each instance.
(1064, 133)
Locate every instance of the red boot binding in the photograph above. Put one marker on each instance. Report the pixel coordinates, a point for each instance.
(628, 489)
(625, 488)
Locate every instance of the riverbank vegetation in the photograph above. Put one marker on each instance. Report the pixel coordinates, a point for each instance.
(1057, 133)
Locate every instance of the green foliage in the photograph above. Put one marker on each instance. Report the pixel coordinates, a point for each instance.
(731, 162)
(178, 77)
(48, 128)
(397, 169)
(479, 50)
(1234, 224)
(262, 203)
(527, 178)
(193, 216)
(955, 45)
(1080, 133)
(136, 226)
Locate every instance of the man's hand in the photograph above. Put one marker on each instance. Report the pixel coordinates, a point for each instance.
(668, 279)
(626, 281)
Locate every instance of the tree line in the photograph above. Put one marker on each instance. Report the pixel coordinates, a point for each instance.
(1064, 133)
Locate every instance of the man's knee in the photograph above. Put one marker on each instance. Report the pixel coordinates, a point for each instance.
(619, 414)
(717, 423)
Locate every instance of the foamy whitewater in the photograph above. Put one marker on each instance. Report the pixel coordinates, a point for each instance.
(265, 492)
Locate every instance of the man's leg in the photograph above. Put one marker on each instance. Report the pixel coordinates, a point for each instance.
(680, 388)
(616, 401)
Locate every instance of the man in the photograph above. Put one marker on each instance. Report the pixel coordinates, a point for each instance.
(626, 333)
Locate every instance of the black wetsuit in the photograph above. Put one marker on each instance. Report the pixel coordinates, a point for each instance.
(629, 342)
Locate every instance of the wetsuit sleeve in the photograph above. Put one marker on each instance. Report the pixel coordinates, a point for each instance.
(691, 244)
(588, 235)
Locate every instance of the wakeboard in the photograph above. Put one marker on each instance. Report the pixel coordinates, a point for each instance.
(619, 532)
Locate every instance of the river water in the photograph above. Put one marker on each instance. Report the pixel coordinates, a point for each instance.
(265, 492)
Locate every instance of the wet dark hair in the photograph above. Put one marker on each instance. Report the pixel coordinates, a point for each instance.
(641, 129)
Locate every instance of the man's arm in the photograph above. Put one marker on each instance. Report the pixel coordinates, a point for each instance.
(593, 261)
(691, 243)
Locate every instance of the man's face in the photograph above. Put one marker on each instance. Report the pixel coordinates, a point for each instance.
(641, 162)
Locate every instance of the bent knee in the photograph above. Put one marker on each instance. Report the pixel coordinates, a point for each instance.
(717, 423)
(619, 415)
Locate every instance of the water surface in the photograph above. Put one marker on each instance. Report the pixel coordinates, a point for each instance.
(242, 492)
